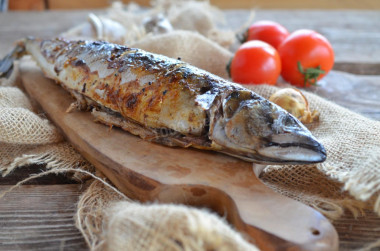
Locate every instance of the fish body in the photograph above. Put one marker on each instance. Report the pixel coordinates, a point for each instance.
(170, 102)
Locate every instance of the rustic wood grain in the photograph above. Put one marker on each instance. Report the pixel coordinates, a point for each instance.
(73, 4)
(224, 4)
(297, 4)
(40, 218)
(360, 94)
(26, 171)
(355, 234)
(88, 4)
(352, 33)
(17, 25)
(26, 5)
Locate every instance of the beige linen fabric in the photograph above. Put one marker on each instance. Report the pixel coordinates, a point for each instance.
(349, 179)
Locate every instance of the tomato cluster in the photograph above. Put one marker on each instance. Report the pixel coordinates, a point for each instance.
(302, 57)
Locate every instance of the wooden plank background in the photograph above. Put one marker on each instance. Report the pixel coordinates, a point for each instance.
(355, 43)
(41, 218)
(224, 4)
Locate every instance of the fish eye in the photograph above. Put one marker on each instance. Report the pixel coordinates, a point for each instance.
(288, 120)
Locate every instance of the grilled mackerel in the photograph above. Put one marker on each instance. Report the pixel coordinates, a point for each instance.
(170, 102)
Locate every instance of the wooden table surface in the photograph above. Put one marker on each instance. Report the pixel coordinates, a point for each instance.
(39, 215)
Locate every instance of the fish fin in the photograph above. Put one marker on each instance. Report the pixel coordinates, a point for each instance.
(112, 120)
(137, 129)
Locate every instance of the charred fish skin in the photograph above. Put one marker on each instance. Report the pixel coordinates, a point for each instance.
(173, 103)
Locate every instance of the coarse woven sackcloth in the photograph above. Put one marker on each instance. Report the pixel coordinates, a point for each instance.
(348, 179)
(110, 221)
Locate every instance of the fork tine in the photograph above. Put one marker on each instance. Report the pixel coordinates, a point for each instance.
(6, 64)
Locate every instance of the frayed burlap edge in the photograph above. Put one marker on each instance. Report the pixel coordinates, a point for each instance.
(53, 156)
(90, 211)
(368, 192)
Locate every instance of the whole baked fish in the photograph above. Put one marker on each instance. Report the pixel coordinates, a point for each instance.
(170, 102)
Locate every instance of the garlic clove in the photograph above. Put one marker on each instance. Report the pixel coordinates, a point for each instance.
(293, 101)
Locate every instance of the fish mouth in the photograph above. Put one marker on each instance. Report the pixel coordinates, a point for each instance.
(291, 146)
(293, 149)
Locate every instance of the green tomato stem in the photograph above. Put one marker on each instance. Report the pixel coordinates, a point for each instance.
(310, 73)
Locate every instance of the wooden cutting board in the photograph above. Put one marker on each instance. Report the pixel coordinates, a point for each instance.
(150, 172)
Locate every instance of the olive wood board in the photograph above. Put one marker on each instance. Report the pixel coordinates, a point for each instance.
(148, 172)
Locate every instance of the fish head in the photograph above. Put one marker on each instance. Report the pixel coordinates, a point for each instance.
(255, 129)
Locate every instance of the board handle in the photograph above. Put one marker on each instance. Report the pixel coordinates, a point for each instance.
(272, 221)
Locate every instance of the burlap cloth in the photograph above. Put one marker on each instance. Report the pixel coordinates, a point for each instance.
(348, 179)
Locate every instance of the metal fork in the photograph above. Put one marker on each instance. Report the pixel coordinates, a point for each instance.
(6, 63)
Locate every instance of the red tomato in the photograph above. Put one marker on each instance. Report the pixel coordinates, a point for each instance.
(268, 31)
(306, 56)
(255, 62)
